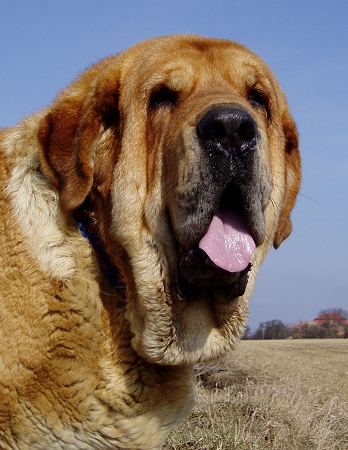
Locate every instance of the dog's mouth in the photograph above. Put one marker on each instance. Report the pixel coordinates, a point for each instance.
(219, 264)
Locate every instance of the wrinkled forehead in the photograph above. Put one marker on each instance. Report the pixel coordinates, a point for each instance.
(187, 63)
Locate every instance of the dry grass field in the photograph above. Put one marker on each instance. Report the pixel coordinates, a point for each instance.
(281, 395)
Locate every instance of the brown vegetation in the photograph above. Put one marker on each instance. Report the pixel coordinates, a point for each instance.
(278, 395)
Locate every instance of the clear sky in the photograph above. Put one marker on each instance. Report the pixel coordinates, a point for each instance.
(44, 44)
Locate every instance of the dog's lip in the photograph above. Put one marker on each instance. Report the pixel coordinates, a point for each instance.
(196, 276)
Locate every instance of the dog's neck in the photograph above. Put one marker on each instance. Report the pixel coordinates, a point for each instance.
(142, 386)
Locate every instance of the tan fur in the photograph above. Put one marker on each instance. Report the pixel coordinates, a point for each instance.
(81, 367)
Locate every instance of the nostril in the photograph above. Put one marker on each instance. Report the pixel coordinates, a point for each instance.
(216, 130)
(210, 130)
(247, 131)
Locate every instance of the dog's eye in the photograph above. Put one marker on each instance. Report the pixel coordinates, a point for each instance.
(258, 98)
(163, 96)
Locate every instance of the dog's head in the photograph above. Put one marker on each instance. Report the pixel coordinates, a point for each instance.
(188, 157)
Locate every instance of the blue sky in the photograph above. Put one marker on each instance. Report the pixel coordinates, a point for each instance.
(43, 45)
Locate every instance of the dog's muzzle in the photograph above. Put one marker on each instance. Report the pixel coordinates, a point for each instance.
(223, 230)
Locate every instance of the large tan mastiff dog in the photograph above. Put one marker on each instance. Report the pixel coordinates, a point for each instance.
(135, 213)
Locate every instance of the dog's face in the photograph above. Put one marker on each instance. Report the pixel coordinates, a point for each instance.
(187, 154)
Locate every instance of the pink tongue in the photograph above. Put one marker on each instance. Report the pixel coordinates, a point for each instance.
(227, 242)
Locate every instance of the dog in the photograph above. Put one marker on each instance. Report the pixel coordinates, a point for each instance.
(135, 213)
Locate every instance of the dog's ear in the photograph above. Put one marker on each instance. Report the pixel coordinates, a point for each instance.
(69, 135)
(292, 177)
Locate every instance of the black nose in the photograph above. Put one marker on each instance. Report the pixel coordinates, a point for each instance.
(227, 129)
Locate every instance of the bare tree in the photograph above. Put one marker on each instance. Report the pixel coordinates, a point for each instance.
(273, 329)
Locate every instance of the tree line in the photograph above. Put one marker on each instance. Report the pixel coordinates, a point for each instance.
(334, 324)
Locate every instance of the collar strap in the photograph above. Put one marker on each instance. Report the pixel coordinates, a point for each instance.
(109, 271)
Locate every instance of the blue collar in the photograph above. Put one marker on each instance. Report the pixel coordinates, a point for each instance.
(109, 271)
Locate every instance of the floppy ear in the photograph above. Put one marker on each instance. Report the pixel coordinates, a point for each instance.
(68, 136)
(292, 178)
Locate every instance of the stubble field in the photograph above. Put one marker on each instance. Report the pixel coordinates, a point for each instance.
(280, 395)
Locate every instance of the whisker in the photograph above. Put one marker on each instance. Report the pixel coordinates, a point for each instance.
(275, 206)
(166, 188)
(300, 194)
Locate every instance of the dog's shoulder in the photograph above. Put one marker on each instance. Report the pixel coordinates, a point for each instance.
(49, 326)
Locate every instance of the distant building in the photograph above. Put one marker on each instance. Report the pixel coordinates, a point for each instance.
(330, 318)
(327, 324)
